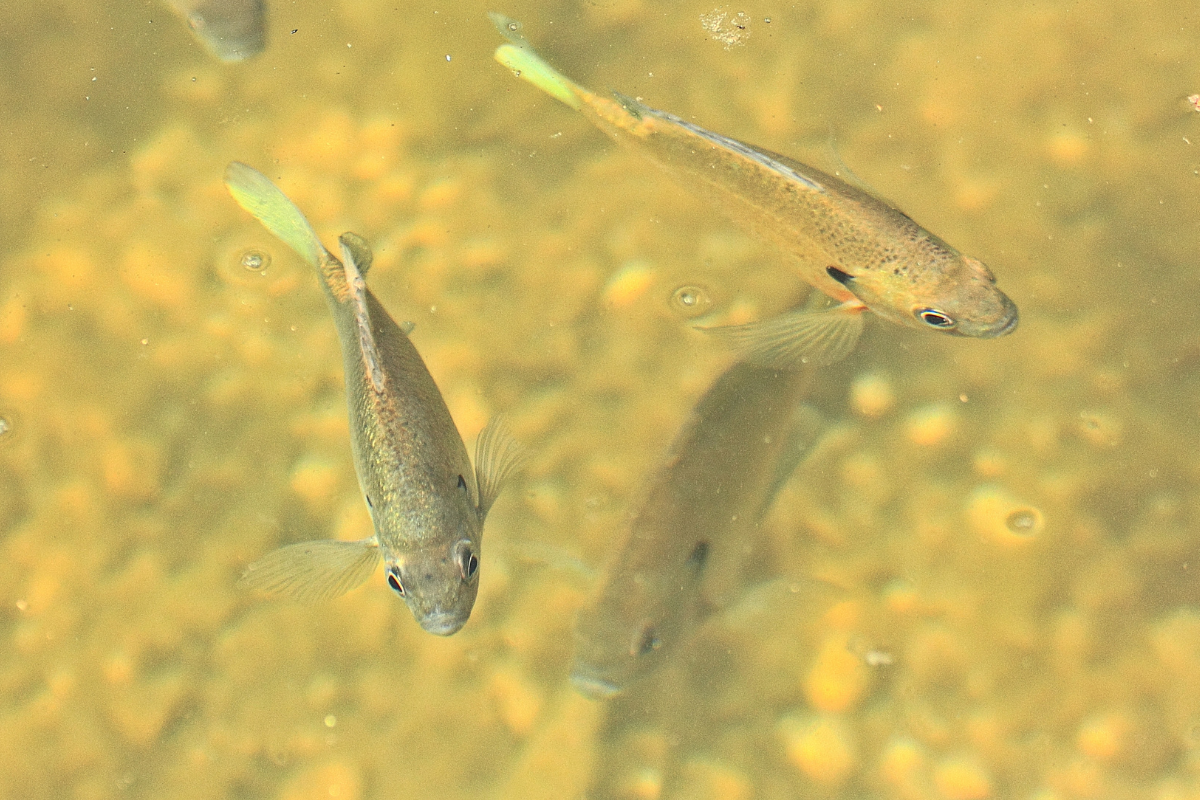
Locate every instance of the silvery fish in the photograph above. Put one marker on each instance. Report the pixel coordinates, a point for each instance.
(231, 30)
(739, 442)
(855, 248)
(427, 503)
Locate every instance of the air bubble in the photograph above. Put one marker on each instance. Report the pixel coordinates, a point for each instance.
(1024, 521)
(255, 260)
(691, 300)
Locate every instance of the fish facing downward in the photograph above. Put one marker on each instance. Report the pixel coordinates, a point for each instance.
(738, 445)
(855, 248)
(427, 504)
(231, 30)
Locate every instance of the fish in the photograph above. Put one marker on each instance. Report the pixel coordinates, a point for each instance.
(230, 30)
(717, 481)
(861, 252)
(426, 502)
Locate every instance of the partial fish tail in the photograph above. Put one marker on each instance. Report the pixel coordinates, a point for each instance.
(254, 192)
(526, 64)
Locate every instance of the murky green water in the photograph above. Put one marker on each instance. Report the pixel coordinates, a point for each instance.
(1009, 524)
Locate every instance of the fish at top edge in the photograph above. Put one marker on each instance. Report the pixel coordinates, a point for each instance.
(230, 30)
(717, 482)
(426, 502)
(858, 250)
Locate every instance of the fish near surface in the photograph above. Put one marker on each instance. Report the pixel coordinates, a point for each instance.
(231, 30)
(855, 248)
(427, 504)
(719, 477)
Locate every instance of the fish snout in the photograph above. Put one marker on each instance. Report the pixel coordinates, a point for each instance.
(1007, 321)
(442, 623)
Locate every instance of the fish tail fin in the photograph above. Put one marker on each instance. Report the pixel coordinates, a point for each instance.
(519, 56)
(254, 192)
(798, 337)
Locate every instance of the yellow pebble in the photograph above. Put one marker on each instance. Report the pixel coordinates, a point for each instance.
(440, 194)
(871, 395)
(900, 597)
(821, 747)
(66, 267)
(131, 469)
(1067, 148)
(989, 463)
(628, 284)
(14, 315)
(315, 481)
(517, 699)
(962, 778)
(148, 272)
(932, 425)
(710, 780)
(1103, 736)
(336, 780)
(903, 765)
(644, 783)
(838, 679)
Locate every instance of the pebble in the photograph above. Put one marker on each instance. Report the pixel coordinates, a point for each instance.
(821, 747)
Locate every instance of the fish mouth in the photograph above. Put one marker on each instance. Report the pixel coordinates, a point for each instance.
(442, 624)
(1009, 324)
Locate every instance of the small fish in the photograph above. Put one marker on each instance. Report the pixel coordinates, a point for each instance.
(855, 248)
(427, 503)
(231, 30)
(719, 477)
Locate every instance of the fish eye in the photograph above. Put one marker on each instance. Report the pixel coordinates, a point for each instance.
(646, 641)
(935, 319)
(394, 582)
(468, 563)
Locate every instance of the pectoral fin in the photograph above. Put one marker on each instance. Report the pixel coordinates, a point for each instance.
(313, 571)
(254, 192)
(497, 457)
(797, 337)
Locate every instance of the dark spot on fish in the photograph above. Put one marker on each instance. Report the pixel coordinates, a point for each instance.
(394, 582)
(699, 556)
(647, 641)
(370, 505)
(462, 483)
(839, 276)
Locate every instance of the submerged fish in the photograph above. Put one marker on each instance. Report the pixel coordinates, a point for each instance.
(231, 30)
(427, 504)
(856, 249)
(719, 477)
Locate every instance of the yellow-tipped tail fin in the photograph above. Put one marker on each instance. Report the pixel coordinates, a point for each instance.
(254, 192)
(526, 64)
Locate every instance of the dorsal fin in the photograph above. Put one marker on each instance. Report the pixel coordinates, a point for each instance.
(359, 250)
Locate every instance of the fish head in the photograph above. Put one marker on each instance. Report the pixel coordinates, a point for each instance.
(939, 290)
(231, 30)
(438, 582)
(611, 652)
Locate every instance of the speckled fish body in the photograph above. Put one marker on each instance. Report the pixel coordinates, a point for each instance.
(716, 482)
(231, 30)
(427, 503)
(855, 248)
